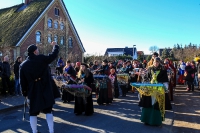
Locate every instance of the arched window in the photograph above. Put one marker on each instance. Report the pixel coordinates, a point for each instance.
(1, 54)
(70, 42)
(56, 38)
(49, 23)
(56, 24)
(38, 37)
(62, 26)
(25, 54)
(49, 38)
(61, 40)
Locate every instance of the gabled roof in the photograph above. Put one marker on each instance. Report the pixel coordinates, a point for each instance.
(115, 50)
(15, 23)
(126, 51)
(73, 27)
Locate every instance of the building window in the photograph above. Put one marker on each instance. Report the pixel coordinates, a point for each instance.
(25, 54)
(56, 11)
(61, 40)
(49, 23)
(70, 42)
(38, 37)
(56, 38)
(49, 38)
(62, 26)
(56, 24)
(1, 54)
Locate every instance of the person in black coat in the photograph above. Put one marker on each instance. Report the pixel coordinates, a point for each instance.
(36, 84)
(190, 70)
(16, 72)
(6, 76)
(85, 77)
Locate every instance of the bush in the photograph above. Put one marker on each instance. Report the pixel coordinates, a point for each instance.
(12, 83)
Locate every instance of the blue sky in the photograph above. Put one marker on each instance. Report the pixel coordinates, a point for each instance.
(105, 24)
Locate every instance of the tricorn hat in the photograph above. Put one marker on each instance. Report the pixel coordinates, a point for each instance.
(31, 48)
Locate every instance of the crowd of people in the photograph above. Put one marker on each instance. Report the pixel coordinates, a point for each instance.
(35, 82)
(161, 70)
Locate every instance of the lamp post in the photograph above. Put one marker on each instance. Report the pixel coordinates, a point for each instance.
(134, 46)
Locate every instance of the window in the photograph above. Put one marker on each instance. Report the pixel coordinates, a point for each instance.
(1, 54)
(56, 24)
(61, 40)
(56, 11)
(49, 38)
(49, 23)
(25, 54)
(38, 37)
(62, 26)
(70, 42)
(56, 38)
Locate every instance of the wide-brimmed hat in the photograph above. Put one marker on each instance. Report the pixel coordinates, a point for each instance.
(106, 61)
(84, 64)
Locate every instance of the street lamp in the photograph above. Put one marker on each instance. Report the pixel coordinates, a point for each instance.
(134, 49)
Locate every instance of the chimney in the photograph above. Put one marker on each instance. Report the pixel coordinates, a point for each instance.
(27, 2)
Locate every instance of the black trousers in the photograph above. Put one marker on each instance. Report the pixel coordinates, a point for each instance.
(45, 111)
(6, 84)
(190, 85)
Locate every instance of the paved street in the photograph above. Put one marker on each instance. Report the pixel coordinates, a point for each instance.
(122, 116)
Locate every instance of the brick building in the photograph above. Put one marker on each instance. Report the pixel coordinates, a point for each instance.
(39, 22)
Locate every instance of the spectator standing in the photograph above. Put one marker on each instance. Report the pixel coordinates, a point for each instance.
(6, 73)
(16, 72)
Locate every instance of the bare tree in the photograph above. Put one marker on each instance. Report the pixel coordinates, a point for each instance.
(153, 49)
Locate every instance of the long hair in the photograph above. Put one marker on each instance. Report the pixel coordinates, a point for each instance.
(150, 63)
(17, 59)
(86, 72)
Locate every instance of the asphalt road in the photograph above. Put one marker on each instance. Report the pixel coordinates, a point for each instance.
(122, 116)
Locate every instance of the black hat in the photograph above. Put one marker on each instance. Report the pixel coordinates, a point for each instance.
(157, 59)
(156, 54)
(128, 61)
(31, 48)
(84, 64)
(106, 61)
(91, 64)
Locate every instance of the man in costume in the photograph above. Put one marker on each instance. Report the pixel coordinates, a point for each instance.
(36, 84)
